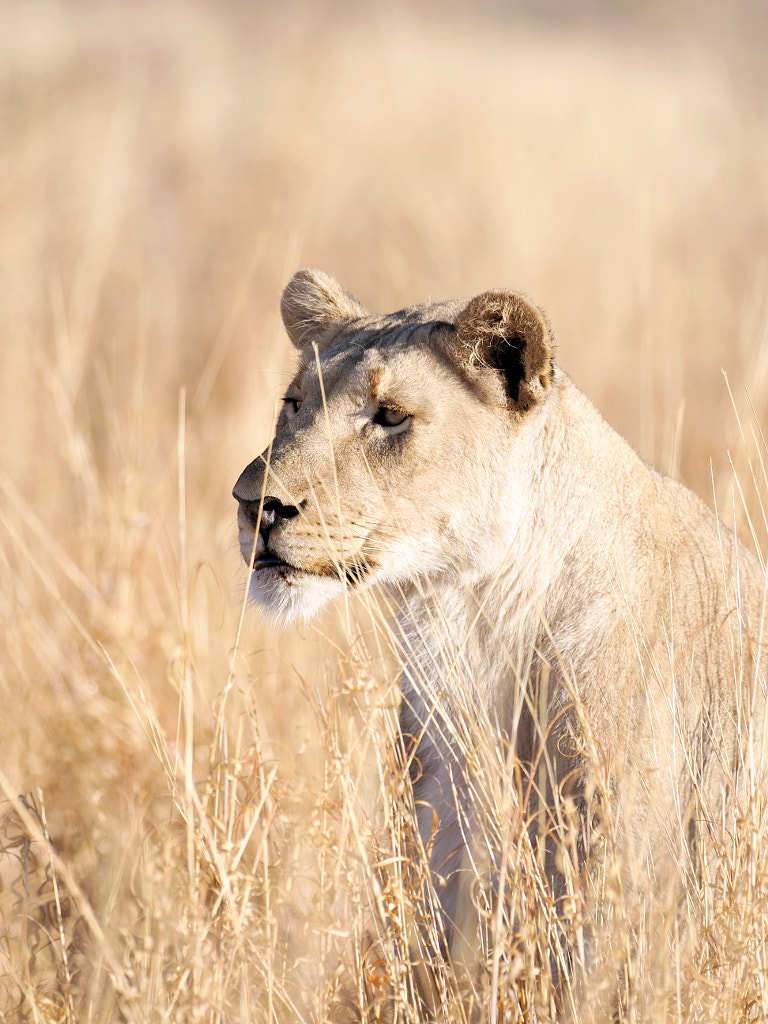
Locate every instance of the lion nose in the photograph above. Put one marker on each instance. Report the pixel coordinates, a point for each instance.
(272, 511)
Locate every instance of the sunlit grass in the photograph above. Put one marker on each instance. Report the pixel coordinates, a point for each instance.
(204, 819)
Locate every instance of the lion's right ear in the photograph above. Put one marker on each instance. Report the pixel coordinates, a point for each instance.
(314, 307)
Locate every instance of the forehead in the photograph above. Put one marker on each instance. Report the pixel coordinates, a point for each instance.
(378, 353)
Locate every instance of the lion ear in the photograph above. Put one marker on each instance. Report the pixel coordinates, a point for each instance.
(314, 306)
(506, 333)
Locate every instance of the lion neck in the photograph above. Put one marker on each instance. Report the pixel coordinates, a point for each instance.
(474, 628)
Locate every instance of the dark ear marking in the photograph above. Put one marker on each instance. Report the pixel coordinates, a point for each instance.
(510, 362)
(505, 333)
(442, 325)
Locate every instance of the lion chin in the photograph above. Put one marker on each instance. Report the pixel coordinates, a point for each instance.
(288, 596)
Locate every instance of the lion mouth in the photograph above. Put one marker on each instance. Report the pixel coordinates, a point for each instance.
(354, 574)
(267, 560)
(263, 558)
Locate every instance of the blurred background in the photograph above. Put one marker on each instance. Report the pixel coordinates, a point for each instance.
(165, 167)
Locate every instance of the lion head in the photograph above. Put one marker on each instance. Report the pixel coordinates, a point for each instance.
(404, 445)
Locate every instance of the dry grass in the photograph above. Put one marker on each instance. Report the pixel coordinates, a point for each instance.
(201, 818)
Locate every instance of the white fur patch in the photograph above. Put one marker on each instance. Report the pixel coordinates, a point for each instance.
(290, 595)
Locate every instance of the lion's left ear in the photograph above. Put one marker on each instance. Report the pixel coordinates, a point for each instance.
(505, 332)
(315, 307)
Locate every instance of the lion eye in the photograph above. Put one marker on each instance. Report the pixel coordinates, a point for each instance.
(388, 417)
(291, 406)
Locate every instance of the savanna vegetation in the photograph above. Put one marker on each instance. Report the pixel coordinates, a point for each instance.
(202, 819)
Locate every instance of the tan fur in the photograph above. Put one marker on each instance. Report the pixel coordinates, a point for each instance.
(513, 533)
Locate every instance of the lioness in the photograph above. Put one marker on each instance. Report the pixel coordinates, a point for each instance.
(537, 570)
